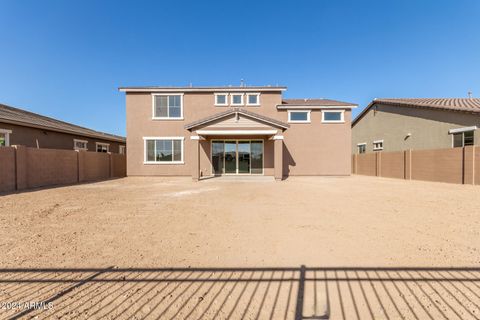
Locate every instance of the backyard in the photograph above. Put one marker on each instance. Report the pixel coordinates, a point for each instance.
(343, 247)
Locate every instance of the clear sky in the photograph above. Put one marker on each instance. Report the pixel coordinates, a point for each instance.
(66, 59)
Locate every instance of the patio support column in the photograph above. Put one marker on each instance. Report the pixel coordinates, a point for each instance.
(196, 158)
(278, 158)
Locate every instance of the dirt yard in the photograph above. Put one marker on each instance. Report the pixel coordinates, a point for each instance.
(221, 229)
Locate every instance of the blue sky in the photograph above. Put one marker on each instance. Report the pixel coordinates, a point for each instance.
(65, 59)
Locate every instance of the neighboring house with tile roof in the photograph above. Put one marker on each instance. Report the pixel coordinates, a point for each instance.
(21, 127)
(246, 130)
(419, 123)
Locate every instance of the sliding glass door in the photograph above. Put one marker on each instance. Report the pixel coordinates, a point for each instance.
(237, 156)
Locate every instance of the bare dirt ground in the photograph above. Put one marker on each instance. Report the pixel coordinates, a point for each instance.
(168, 247)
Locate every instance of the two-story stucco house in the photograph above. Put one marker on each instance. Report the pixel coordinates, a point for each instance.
(208, 131)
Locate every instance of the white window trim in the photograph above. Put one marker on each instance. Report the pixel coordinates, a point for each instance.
(464, 129)
(362, 144)
(78, 140)
(120, 147)
(299, 121)
(342, 120)
(237, 94)
(258, 99)
(221, 104)
(182, 139)
(102, 144)
(375, 142)
(453, 133)
(167, 94)
(7, 136)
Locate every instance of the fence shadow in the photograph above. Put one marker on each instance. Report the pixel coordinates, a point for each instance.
(241, 293)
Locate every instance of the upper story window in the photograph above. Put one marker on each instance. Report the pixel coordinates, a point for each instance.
(221, 99)
(80, 144)
(167, 106)
(333, 116)
(237, 99)
(362, 148)
(378, 145)
(5, 137)
(102, 147)
(164, 150)
(299, 116)
(253, 99)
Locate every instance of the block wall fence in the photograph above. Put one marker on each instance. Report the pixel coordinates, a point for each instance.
(24, 168)
(455, 165)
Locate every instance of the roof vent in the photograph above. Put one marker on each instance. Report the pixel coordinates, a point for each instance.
(242, 83)
(469, 94)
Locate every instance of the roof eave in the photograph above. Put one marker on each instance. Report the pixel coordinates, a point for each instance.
(222, 89)
(303, 106)
(26, 124)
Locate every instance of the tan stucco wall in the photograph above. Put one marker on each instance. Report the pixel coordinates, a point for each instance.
(28, 136)
(428, 128)
(311, 149)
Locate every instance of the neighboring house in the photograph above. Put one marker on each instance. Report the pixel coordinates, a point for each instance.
(206, 131)
(20, 127)
(402, 124)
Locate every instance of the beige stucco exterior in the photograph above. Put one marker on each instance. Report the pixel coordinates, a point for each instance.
(314, 148)
(428, 129)
(48, 139)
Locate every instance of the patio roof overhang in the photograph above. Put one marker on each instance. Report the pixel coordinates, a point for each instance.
(245, 132)
(262, 120)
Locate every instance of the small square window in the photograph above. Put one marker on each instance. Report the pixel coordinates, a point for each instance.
(462, 139)
(237, 99)
(221, 99)
(378, 145)
(253, 99)
(5, 137)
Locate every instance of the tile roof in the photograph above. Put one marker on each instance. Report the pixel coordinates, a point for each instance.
(13, 115)
(460, 104)
(453, 104)
(233, 111)
(315, 102)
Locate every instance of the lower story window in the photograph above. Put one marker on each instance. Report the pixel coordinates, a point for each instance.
(362, 147)
(164, 150)
(463, 139)
(5, 137)
(80, 144)
(121, 149)
(102, 147)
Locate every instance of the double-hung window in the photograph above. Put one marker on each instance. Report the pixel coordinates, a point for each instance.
(121, 149)
(167, 106)
(163, 150)
(5, 137)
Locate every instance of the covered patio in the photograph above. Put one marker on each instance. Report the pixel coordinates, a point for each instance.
(237, 142)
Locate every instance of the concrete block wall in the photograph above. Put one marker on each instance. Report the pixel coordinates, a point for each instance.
(23, 168)
(454, 165)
